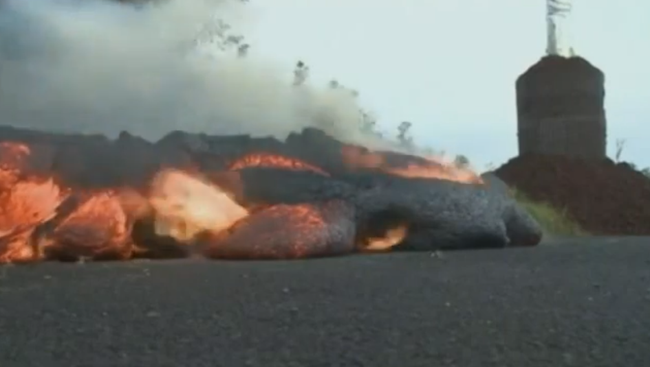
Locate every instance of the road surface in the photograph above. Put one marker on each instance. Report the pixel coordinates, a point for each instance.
(565, 303)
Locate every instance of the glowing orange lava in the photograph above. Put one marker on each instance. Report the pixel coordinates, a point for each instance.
(98, 228)
(25, 203)
(356, 157)
(268, 160)
(186, 204)
(392, 237)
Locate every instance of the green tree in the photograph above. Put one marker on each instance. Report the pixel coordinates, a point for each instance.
(220, 34)
(404, 136)
(646, 171)
(461, 161)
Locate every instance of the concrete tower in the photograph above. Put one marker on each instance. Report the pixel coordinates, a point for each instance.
(560, 99)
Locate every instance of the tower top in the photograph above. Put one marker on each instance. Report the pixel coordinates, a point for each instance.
(557, 27)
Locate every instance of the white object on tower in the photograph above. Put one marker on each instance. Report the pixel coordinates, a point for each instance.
(557, 27)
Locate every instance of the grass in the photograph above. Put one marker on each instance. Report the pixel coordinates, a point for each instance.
(555, 221)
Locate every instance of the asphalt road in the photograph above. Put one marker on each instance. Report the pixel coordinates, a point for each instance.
(566, 303)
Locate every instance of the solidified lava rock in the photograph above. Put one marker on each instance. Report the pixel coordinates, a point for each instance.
(603, 197)
(447, 215)
(277, 186)
(149, 245)
(441, 214)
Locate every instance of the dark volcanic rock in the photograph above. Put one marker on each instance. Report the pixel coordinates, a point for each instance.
(275, 186)
(30, 159)
(448, 215)
(213, 153)
(316, 147)
(522, 228)
(94, 161)
(150, 245)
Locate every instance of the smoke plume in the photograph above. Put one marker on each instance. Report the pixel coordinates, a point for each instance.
(95, 66)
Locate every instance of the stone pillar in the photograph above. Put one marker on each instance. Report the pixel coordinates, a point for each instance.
(560, 109)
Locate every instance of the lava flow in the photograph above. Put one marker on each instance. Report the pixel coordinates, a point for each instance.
(267, 160)
(392, 237)
(95, 227)
(26, 201)
(357, 157)
(180, 213)
(186, 205)
(288, 209)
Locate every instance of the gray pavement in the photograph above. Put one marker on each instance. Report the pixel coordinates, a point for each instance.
(568, 302)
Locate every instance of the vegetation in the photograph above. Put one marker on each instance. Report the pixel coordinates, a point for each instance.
(554, 220)
(620, 146)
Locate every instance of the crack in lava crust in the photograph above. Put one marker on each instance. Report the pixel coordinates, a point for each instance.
(268, 160)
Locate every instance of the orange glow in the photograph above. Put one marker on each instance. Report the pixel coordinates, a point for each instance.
(392, 237)
(268, 160)
(97, 228)
(185, 205)
(356, 157)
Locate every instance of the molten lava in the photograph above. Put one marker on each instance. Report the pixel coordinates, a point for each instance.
(96, 228)
(391, 237)
(356, 157)
(23, 207)
(268, 160)
(17, 246)
(185, 205)
(26, 201)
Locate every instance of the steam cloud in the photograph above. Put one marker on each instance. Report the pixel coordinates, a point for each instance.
(101, 67)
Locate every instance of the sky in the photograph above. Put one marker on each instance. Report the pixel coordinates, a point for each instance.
(449, 67)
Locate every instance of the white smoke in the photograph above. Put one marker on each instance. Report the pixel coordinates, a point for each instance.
(95, 66)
